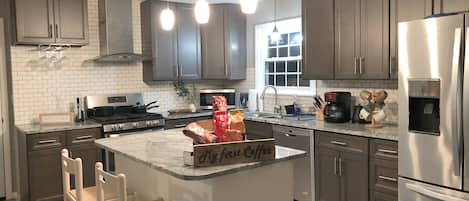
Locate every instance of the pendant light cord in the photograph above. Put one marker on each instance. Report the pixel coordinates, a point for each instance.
(275, 12)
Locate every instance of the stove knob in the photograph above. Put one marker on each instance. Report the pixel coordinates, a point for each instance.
(120, 127)
(149, 123)
(135, 125)
(113, 127)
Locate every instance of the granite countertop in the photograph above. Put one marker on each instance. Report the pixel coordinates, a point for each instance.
(188, 115)
(387, 132)
(164, 151)
(38, 129)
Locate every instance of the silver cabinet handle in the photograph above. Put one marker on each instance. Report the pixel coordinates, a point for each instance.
(180, 125)
(355, 68)
(387, 178)
(338, 143)
(391, 66)
(362, 59)
(335, 165)
(387, 151)
(84, 137)
(46, 142)
(340, 167)
(56, 31)
(50, 31)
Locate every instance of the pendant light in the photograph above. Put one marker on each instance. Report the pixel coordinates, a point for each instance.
(202, 12)
(248, 6)
(167, 19)
(275, 36)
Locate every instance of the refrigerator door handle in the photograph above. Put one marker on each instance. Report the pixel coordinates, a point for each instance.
(465, 108)
(432, 194)
(456, 86)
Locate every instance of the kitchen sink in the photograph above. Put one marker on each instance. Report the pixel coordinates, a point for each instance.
(303, 117)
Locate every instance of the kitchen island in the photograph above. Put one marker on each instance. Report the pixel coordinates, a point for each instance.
(154, 165)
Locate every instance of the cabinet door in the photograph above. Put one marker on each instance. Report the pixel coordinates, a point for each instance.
(258, 129)
(374, 40)
(213, 45)
(45, 175)
(89, 155)
(450, 6)
(235, 36)
(408, 10)
(163, 49)
(318, 39)
(393, 66)
(347, 35)
(71, 21)
(326, 174)
(353, 168)
(188, 39)
(34, 21)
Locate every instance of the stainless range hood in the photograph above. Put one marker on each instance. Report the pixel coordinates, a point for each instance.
(116, 32)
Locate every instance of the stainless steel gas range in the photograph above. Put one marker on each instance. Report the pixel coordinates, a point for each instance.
(122, 114)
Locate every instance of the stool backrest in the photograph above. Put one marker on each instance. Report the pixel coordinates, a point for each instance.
(114, 184)
(72, 167)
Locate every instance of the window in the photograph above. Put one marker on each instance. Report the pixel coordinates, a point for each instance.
(278, 63)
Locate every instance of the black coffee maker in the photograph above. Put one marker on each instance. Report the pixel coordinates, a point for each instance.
(338, 107)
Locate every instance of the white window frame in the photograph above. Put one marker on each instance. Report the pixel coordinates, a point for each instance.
(262, 31)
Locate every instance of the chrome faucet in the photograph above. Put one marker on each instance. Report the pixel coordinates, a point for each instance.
(277, 108)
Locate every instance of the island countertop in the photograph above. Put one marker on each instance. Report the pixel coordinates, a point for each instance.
(164, 151)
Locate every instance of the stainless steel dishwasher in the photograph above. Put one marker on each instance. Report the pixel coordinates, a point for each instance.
(302, 139)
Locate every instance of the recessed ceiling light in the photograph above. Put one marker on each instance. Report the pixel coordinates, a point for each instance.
(202, 11)
(248, 6)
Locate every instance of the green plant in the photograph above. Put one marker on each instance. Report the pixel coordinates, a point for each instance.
(183, 92)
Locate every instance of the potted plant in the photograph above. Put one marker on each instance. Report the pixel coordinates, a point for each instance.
(189, 95)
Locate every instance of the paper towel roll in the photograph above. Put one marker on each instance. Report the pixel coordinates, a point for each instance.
(252, 103)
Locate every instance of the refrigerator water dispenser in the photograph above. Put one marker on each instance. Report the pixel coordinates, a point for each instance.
(424, 106)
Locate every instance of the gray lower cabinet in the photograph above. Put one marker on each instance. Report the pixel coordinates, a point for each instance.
(175, 54)
(51, 22)
(225, 30)
(258, 130)
(383, 170)
(341, 167)
(40, 172)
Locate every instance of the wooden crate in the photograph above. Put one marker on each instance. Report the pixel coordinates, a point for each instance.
(216, 154)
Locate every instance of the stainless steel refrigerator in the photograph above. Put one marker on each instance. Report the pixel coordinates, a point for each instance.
(434, 109)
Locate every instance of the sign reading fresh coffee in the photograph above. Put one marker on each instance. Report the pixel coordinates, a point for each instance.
(233, 153)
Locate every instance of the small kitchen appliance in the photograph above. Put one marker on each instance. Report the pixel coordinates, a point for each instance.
(206, 97)
(338, 107)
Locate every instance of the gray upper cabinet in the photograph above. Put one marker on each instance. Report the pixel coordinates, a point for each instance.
(188, 40)
(51, 22)
(450, 6)
(347, 34)
(318, 39)
(71, 21)
(374, 41)
(362, 39)
(408, 10)
(225, 30)
(346, 39)
(34, 21)
(176, 54)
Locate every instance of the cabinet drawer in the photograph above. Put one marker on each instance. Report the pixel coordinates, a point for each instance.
(46, 141)
(342, 142)
(383, 149)
(385, 179)
(181, 123)
(83, 136)
(293, 137)
(379, 196)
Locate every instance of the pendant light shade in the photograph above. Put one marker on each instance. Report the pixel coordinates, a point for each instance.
(202, 12)
(248, 6)
(275, 36)
(167, 19)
